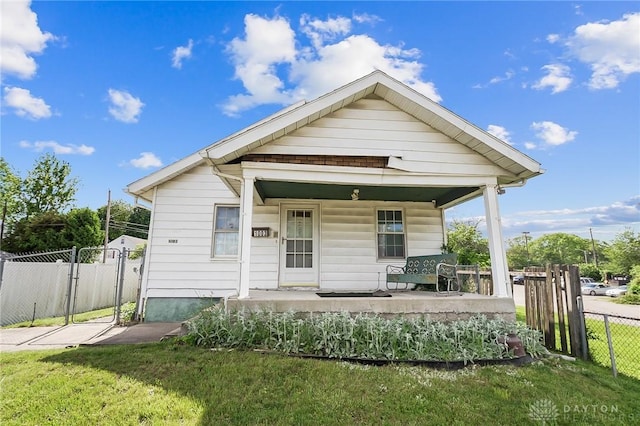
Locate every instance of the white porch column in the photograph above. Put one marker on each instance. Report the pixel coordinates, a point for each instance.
(246, 207)
(499, 267)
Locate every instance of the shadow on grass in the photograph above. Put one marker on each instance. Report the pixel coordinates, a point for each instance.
(239, 387)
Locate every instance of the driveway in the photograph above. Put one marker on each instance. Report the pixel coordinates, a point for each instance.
(596, 304)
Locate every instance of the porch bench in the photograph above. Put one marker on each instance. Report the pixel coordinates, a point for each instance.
(423, 271)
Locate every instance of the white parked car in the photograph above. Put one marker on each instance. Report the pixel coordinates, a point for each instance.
(594, 289)
(617, 291)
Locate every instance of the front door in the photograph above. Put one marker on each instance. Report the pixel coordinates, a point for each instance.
(299, 256)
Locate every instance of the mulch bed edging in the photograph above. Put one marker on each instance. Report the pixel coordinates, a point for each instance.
(442, 365)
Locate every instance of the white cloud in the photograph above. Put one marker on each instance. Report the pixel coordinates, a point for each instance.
(25, 104)
(558, 78)
(181, 53)
(20, 39)
(146, 161)
(553, 134)
(319, 32)
(508, 75)
(530, 145)
(611, 49)
(274, 71)
(69, 149)
(500, 133)
(124, 107)
(365, 18)
(553, 38)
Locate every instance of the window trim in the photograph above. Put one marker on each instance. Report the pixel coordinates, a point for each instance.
(403, 233)
(215, 231)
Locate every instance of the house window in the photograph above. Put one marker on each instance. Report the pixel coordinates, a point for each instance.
(225, 231)
(390, 233)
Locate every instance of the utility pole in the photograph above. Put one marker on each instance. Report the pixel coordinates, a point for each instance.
(526, 244)
(106, 228)
(593, 245)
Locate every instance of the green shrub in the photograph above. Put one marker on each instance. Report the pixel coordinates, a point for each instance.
(340, 335)
(127, 312)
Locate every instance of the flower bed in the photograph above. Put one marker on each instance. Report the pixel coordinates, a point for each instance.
(341, 335)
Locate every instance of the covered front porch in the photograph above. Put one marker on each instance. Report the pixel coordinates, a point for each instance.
(400, 303)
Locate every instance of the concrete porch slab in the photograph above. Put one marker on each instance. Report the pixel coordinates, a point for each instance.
(405, 303)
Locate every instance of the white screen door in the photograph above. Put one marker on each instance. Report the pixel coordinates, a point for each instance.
(299, 255)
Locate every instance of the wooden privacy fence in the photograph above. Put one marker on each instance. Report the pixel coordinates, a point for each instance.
(553, 305)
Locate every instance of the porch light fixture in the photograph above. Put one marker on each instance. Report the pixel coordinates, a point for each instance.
(501, 190)
(355, 195)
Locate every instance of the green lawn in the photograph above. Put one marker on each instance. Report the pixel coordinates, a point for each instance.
(173, 383)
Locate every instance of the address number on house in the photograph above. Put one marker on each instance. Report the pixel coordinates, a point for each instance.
(261, 232)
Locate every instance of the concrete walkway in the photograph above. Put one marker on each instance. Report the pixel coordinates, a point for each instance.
(89, 333)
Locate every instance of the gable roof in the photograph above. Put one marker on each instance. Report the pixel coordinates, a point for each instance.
(377, 83)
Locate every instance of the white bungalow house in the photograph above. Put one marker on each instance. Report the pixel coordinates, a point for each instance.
(323, 195)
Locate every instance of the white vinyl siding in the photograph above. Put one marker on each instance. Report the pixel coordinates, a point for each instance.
(373, 127)
(181, 242)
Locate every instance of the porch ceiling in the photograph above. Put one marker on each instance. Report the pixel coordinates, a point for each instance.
(317, 191)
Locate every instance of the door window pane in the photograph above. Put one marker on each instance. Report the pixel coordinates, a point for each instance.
(299, 246)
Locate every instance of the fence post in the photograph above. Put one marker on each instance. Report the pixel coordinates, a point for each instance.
(583, 330)
(123, 261)
(612, 355)
(72, 262)
(2, 260)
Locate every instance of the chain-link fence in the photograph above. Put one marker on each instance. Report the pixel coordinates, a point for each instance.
(35, 285)
(614, 342)
(65, 283)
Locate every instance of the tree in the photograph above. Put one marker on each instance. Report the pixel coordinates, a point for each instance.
(464, 239)
(11, 206)
(119, 212)
(558, 248)
(125, 219)
(44, 231)
(48, 187)
(139, 222)
(624, 252)
(518, 252)
(83, 228)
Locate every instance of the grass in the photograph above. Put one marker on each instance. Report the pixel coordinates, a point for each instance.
(174, 383)
(625, 339)
(126, 312)
(59, 321)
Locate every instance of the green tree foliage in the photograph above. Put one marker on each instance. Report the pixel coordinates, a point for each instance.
(558, 248)
(41, 232)
(55, 231)
(465, 240)
(83, 228)
(10, 194)
(125, 219)
(48, 187)
(518, 252)
(624, 252)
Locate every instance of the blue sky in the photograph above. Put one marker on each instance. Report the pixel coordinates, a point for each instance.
(119, 89)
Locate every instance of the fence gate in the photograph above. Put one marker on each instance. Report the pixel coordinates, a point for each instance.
(102, 273)
(553, 306)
